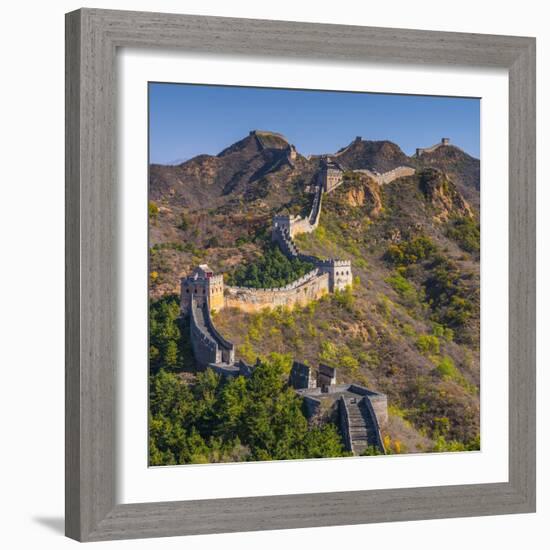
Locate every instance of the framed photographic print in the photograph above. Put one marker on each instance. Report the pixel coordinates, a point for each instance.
(300, 275)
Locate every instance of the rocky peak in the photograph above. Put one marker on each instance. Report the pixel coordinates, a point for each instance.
(380, 156)
(442, 193)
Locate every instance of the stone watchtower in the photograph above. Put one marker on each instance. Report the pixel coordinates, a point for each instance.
(204, 286)
(331, 175)
(339, 272)
(326, 377)
(301, 377)
(291, 151)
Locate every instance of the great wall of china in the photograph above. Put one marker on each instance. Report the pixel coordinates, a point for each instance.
(388, 177)
(422, 150)
(361, 412)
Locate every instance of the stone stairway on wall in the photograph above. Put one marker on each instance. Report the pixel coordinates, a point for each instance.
(285, 242)
(315, 212)
(362, 429)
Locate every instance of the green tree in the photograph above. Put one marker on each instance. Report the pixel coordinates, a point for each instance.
(217, 419)
(165, 342)
(273, 269)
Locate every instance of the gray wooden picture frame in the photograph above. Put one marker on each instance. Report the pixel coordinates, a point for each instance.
(92, 39)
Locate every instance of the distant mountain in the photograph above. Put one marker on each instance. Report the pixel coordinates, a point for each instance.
(266, 156)
(379, 156)
(462, 168)
(208, 179)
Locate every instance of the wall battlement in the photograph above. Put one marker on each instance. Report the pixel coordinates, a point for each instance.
(331, 175)
(339, 271)
(301, 292)
(295, 225)
(209, 346)
(389, 176)
(421, 150)
(361, 412)
(204, 286)
(291, 286)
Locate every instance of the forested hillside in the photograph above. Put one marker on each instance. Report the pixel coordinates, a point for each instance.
(409, 326)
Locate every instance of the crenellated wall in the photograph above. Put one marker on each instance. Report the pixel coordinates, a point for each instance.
(205, 348)
(388, 177)
(202, 289)
(295, 225)
(339, 272)
(361, 412)
(209, 346)
(421, 150)
(330, 176)
(311, 286)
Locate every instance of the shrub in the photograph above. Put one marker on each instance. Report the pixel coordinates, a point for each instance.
(153, 211)
(465, 231)
(239, 241)
(247, 351)
(183, 223)
(328, 353)
(446, 369)
(428, 344)
(213, 242)
(449, 297)
(384, 306)
(404, 288)
(410, 251)
(348, 362)
(443, 332)
(371, 450)
(344, 298)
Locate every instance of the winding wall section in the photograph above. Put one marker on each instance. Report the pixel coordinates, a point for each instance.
(209, 346)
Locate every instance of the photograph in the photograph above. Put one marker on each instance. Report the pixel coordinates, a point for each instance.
(313, 292)
(287, 256)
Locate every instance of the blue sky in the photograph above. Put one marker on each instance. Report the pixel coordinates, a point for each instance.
(188, 120)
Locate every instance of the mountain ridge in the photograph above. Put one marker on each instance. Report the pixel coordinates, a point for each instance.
(262, 152)
(408, 327)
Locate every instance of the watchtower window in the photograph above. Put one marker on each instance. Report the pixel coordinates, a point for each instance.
(187, 290)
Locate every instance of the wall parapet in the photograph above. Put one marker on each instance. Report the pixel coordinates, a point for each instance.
(345, 428)
(443, 143)
(291, 286)
(209, 346)
(295, 225)
(389, 176)
(374, 417)
(301, 292)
